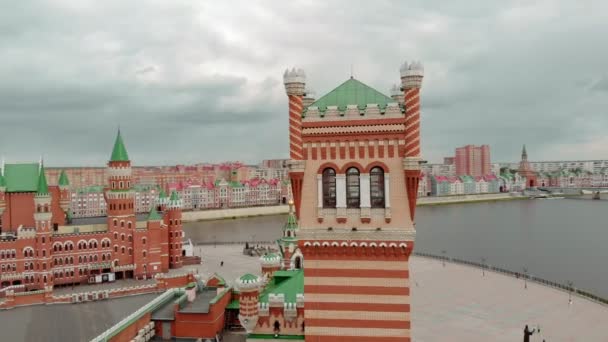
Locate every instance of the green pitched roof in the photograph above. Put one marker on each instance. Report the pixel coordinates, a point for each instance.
(21, 177)
(119, 153)
(162, 194)
(63, 179)
(154, 215)
(352, 92)
(289, 283)
(174, 196)
(43, 188)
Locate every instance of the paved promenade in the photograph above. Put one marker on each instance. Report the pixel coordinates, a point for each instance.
(456, 303)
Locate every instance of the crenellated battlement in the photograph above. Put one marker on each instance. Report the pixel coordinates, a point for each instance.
(294, 81)
(411, 75)
(353, 112)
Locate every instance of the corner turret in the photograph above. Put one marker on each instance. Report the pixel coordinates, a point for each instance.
(249, 288)
(64, 192)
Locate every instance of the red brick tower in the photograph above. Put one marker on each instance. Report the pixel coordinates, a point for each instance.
(294, 81)
(249, 288)
(64, 193)
(43, 217)
(525, 170)
(173, 219)
(355, 208)
(2, 193)
(411, 81)
(120, 205)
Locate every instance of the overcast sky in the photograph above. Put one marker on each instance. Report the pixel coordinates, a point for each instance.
(194, 81)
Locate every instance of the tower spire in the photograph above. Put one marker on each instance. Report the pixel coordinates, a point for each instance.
(119, 152)
(524, 154)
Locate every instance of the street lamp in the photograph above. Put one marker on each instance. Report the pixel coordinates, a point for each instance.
(483, 266)
(525, 277)
(443, 252)
(570, 289)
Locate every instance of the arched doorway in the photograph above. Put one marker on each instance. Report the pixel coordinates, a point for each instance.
(298, 263)
(277, 326)
(532, 183)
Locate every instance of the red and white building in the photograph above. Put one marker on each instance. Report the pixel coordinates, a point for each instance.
(355, 169)
(38, 249)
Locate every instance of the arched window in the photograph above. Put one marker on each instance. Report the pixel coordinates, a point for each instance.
(129, 224)
(352, 188)
(329, 188)
(376, 187)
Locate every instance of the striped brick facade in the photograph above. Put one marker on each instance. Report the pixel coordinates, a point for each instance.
(356, 273)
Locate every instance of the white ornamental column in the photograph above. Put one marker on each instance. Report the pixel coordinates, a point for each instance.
(341, 198)
(364, 198)
(387, 197)
(320, 198)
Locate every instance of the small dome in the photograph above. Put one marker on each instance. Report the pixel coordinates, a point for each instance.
(271, 259)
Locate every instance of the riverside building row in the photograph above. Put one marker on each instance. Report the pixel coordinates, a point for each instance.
(90, 201)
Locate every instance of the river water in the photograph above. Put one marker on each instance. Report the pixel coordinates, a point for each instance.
(558, 240)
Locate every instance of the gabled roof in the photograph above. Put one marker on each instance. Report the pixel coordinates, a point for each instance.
(352, 92)
(119, 153)
(21, 177)
(63, 179)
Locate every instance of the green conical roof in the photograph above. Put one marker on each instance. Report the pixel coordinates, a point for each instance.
(292, 221)
(119, 153)
(162, 194)
(174, 196)
(63, 179)
(43, 188)
(154, 215)
(352, 92)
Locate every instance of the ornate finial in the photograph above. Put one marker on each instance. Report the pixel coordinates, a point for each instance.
(290, 203)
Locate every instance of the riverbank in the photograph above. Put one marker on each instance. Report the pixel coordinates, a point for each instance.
(440, 200)
(233, 213)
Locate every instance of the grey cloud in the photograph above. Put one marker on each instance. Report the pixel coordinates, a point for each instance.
(198, 81)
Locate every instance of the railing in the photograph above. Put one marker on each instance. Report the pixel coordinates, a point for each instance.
(535, 279)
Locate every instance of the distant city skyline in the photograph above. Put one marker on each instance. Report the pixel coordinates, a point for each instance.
(203, 85)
